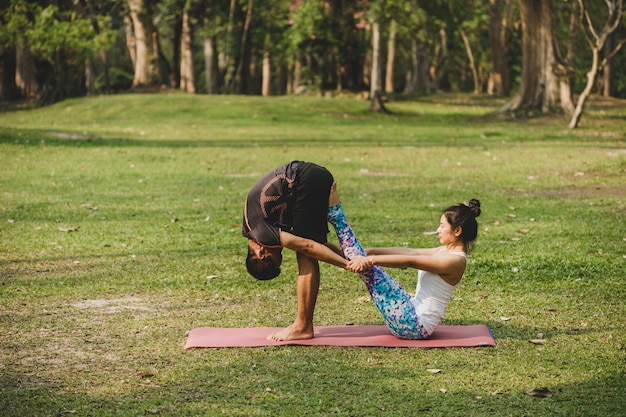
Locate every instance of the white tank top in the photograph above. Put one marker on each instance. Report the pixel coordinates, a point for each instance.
(432, 296)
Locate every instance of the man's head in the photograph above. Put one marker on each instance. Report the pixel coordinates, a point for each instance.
(263, 262)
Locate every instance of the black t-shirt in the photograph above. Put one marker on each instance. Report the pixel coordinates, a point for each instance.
(293, 198)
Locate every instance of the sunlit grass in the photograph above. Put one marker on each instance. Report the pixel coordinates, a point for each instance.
(120, 228)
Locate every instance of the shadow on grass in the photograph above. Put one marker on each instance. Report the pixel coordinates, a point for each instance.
(503, 331)
(286, 381)
(40, 138)
(471, 137)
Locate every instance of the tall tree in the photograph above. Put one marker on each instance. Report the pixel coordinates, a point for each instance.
(151, 67)
(497, 30)
(540, 87)
(391, 57)
(141, 32)
(417, 31)
(597, 40)
(240, 82)
(187, 78)
(376, 14)
(455, 12)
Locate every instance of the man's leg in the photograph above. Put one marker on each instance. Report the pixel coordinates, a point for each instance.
(393, 302)
(307, 288)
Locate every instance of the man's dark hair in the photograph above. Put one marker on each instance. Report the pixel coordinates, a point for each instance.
(261, 269)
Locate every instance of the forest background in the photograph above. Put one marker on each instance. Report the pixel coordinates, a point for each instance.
(543, 50)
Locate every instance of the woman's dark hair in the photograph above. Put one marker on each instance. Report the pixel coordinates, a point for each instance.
(261, 269)
(464, 216)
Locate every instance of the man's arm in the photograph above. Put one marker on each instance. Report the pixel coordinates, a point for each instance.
(334, 248)
(312, 249)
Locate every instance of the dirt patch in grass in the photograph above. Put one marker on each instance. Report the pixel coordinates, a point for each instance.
(113, 305)
(584, 191)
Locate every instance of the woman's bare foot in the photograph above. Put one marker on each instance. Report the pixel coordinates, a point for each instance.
(292, 332)
(333, 197)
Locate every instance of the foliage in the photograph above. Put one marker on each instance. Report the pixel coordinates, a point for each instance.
(65, 39)
(330, 40)
(119, 81)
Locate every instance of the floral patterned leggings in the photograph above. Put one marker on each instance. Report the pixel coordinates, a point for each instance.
(393, 301)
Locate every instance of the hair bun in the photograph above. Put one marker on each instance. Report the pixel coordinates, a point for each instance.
(474, 206)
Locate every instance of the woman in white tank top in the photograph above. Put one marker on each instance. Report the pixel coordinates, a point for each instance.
(439, 269)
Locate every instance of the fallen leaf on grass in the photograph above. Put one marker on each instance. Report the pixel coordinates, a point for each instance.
(537, 341)
(504, 318)
(89, 206)
(443, 390)
(434, 371)
(145, 374)
(68, 229)
(540, 393)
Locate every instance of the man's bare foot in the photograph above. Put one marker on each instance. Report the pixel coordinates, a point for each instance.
(333, 197)
(291, 333)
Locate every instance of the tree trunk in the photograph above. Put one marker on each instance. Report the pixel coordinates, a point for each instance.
(597, 41)
(500, 77)
(391, 55)
(439, 58)
(8, 88)
(25, 73)
(375, 77)
(540, 87)
(470, 58)
(210, 66)
(608, 78)
(297, 74)
(340, 71)
(131, 41)
(177, 44)
(468, 49)
(89, 77)
(243, 66)
(584, 95)
(376, 101)
(143, 44)
(290, 77)
(162, 67)
(266, 82)
(187, 79)
(227, 65)
(102, 53)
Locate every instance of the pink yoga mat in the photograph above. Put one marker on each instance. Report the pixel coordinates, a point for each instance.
(444, 336)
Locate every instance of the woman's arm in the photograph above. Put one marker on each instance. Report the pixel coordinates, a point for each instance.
(449, 267)
(312, 249)
(402, 251)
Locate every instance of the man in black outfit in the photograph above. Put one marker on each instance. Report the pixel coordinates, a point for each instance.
(288, 208)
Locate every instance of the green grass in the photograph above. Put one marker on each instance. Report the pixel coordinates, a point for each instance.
(93, 321)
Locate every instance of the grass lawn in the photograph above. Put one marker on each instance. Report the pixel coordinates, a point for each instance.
(120, 223)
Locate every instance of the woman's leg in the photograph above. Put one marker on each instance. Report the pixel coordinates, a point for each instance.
(390, 298)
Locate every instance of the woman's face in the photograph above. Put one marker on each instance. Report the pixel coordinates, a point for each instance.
(445, 232)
